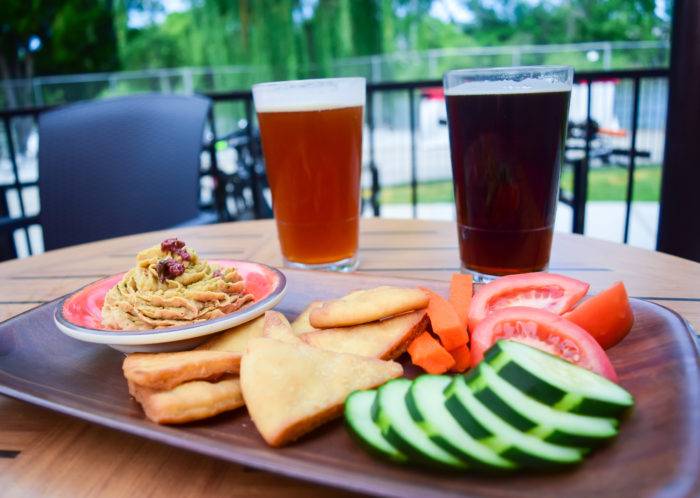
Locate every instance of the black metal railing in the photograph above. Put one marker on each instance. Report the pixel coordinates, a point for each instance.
(239, 194)
(581, 166)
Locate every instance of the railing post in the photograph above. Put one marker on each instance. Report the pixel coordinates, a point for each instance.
(607, 56)
(219, 184)
(414, 165)
(254, 180)
(581, 172)
(516, 56)
(187, 80)
(17, 183)
(633, 158)
(164, 81)
(374, 171)
(7, 244)
(580, 191)
(37, 92)
(376, 68)
(432, 66)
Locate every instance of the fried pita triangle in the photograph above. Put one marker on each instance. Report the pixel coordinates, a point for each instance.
(190, 401)
(277, 327)
(235, 339)
(368, 305)
(385, 339)
(167, 370)
(302, 325)
(290, 389)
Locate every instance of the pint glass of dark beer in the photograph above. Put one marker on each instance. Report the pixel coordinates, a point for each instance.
(507, 129)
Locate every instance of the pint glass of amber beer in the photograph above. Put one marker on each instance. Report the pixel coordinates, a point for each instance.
(311, 133)
(507, 129)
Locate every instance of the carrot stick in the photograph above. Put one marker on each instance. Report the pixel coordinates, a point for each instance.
(428, 354)
(462, 357)
(445, 322)
(461, 290)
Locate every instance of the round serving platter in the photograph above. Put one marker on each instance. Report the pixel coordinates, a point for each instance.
(79, 315)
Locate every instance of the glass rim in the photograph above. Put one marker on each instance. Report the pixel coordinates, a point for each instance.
(510, 69)
(309, 82)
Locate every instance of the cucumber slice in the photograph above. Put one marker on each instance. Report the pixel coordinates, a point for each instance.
(426, 404)
(548, 424)
(391, 414)
(358, 415)
(556, 382)
(510, 443)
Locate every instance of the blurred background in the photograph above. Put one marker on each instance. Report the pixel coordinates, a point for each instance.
(54, 52)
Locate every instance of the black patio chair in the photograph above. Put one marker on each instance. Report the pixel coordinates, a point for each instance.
(120, 166)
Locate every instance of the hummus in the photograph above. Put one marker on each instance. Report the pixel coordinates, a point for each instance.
(171, 286)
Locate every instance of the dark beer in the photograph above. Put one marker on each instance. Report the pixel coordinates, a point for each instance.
(506, 151)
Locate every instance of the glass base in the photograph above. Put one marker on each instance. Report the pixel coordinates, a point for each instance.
(344, 265)
(485, 278)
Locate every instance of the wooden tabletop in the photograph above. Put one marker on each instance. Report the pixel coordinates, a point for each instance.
(47, 454)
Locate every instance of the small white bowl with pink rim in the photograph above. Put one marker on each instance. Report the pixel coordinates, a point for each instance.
(79, 315)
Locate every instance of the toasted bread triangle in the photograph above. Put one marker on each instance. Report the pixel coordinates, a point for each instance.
(385, 339)
(290, 389)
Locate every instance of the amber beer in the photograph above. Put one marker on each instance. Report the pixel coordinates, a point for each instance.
(312, 142)
(507, 130)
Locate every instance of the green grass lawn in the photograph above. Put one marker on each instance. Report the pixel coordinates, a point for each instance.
(604, 184)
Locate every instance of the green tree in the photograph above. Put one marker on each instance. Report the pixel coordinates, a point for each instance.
(325, 37)
(280, 39)
(53, 37)
(158, 46)
(365, 20)
(553, 21)
(273, 36)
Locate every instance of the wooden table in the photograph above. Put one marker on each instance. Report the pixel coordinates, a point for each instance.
(46, 454)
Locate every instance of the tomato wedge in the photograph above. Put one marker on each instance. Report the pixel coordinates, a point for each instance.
(607, 316)
(555, 293)
(543, 330)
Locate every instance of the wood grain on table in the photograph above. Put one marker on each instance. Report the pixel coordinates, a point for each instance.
(46, 454)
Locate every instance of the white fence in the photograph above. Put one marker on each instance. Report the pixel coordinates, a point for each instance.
(398, 66)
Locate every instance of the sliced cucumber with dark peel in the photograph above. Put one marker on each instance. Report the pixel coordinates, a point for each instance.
(358, 415)
(391, 414)
(512, 444)
(496, 404)
(546, 423)
(520, 408)
(556, 382)
(426, 404)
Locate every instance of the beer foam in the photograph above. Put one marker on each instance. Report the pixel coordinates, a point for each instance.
(309, 95)
(305, 107)
(506, 87)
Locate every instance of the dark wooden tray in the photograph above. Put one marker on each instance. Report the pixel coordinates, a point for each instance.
(656, 453)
